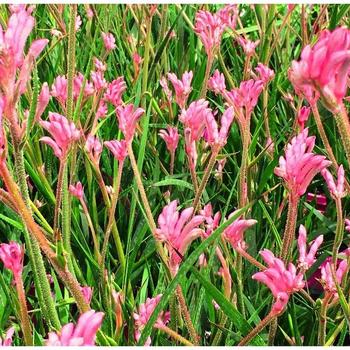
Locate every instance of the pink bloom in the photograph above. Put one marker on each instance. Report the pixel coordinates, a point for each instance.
(220, 167)
(137, 59)
(217, 83)
(2, 135)
(55, 32)
(178, 231)
(63, 133)
(98, 80)
(202, 261)
(59, 89)
(265, 74)
(128, 117)
(320, 199)
(78, 23)
(109, 41)
(115, 91)
(89, 12)
(163, 83)
(7, 341)
(234, 232)
(211, 221)
(247, 45)
(182, 87)
(78, 85)
(94, 148)
(118, 148)
(347, 225)
(306, 260)
(83, 333)
(12, 255)
(336, 189)
(102, 110)
(171, 138)
(281, 281)
(87, 293)
(43, 101)
(77, 190)
(299, 165)
(228, 15)
(99, 65)
(327, 279)
(303, 116)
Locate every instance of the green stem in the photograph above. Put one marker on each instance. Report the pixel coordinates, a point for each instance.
(175, 335)
(58, 196)
(321, 338)
(206, 76)
(146, 57)
(339, 233)
(343, 125)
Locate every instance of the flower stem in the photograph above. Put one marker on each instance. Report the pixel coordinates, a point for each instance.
(321, 338)
(339, 233)
(58, 196)
(175, 335)
(343, 125)
(206, 76)
(248, 257)
(172, 161)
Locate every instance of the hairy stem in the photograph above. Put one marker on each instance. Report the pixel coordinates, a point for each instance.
(175, 335)
(343, 125)
(58, 196)
(206, 76)
(322, 325)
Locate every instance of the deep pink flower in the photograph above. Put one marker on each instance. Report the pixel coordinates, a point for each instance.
(320, 199)
(87, 293)
(182, 87)
(211, 221)
(336, 189)
(118, 148)
(83, 333)
(12, 255)
(102, 110)
(178, 231)
(59, 89)
(171, 138)
(77, 190)
(128, 117)
(327, 279)
(303, 116)
(78, 84)
(248, 46)
(115, 91)
(7, 341)
(63, 133)
(307, 259)
(281, 281)
(43, 101)
(109, 41)
(299, 165)
(265, 74)
(94, 148)
(217, 83)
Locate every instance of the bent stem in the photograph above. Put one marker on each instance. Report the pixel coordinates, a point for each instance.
(321, 338)
(174, 335)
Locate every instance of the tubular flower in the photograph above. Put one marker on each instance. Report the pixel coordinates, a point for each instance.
(43, 101)
(59, 89)
(325, 66)
(99, 65)
(299, 165)
(144, 313)
(303, 116)
(171, 138)
(78, 84)
(118, 148)
(115, 91)
(94, 148)
(280, 280)
(306, 260)
(327, 278)
(211, 222)
(265, 74)
(63, 133)
(248, 46)
(217, 83)
(102, 110)
(182, 87)
(87, 293)
(164, 84)
(228, 15)
(128, 117)
(12, 255)
(83, 333)
(77, 190)
(98, 80)
(7, 341)
(234, 232)
(319, 199)
(109, 41)
(336, 189)
(178, 231)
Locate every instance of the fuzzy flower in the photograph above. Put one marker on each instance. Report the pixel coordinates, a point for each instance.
(118, 149)
(211, 221)
(171, 138)
(7, 341)
(163, 83)
(182, 87)
(265, 74)
(217, 83)
(59, 89)
(83, 333)
(63, 133)
(115, 91)
(77, 190)
(101, 110)
(248, 46)
(78, 85)
(12, 255)
(303, 116)
(327, 278)
(144, 313)
(299, 165)
(280, 280)
(94, 148)
(98, 80)
(87, 293)
(178, 230)
(109, 41)
(306, 260)
(43, 101)
(336, 189)
(128, 117)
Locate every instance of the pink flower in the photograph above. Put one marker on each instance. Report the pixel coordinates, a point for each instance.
(63, 133)
(115, 91)
(303, 116)
(265, 74)
(77, 190)
(281, 281)
(98, 80)
(182, 87)
(347, 225)
(7, 341)
(178, 231)
(128, 117)
(99, 65)
(163, 83)
(211, 221)
(234, 232)
(217, 83)
(43, 101)
(327, 279)
(336, 189)
(94, 148)
(202, 261)
(102, 110)
(12, 255)
(228, 15)
(84, 333)
(171, 138)
(87, 293)
(2, 135)
(89, 12)
(78, 85)
(299, 165)
(248, 46)
(109, 41)
(118, 148)
(59, 89)
(306, 260)
(320, 199)
(214, 136)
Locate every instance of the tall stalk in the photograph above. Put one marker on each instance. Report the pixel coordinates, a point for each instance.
(343, 124)
(322, 325)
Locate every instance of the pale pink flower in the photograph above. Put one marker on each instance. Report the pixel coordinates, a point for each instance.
(164, 84)
(171, 138)
(87, 293)
(303, 116)
(299, 165)
(182, 87)
(228, 15)
(347, 225)
(327, 278)
(115, 91)
(202, 261)
(78, 85)
(265, 74)
(211, 221)
(98, 80)
(280, 280)
(59, 89)
(118, 149)
(43, 101)
(12, 255)
(335, 188)
(270, 145)
(7, 341)
(190, 147)
(217, 83)
(307, 259)
(109, 41)
(219, 169)
(102, 110)
(56, 33)
(99, 65)
(94, 148)
(77, 190)
(178, 231)
(83, 333)
(89, 12)
(128, 117)
(78, 23)
(63, 133)
(248, 46)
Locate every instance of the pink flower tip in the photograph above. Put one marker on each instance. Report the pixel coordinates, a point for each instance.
(77, 190)
(11, 254)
